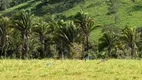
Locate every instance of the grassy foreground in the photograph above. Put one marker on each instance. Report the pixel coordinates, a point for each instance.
(70, 70)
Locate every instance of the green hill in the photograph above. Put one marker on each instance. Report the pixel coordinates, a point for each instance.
(129, 13)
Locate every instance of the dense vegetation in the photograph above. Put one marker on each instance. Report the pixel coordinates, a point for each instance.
(25, 34)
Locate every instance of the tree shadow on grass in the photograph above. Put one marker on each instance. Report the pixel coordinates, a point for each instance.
(59, 6)
(48, 7)
(136, 7)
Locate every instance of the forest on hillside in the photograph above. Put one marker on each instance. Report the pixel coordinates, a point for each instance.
(23, 35)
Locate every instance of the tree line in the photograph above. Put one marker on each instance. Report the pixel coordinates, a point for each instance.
(112, 4)
(30, 37)
(24, 36)
(5, 4)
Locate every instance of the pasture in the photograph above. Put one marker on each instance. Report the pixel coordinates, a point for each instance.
(49, 69)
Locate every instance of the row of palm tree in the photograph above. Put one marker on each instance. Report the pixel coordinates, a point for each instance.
(121, 42)
(28, 36)
(25, 36)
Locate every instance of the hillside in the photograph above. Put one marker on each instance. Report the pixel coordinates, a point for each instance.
(129, 13)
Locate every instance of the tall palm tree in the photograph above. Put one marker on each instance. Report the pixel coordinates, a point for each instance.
(43, 31)
(4, 35)
(86, 24)
(65, 33)
(15, 42)
(22, 21)
(68, 32)
(109, 41)
(130, 37)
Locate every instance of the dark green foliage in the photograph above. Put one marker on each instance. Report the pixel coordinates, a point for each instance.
(113, 7)
(64, 35)
(131, 37)
(4, 4)
(86, 24)
(34, 38)
(22, 21)
(64, 5)
(16, 2)
(4, 35)
(109, 41)
(136, 7)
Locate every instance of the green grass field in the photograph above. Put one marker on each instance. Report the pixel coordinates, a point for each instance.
(70, 70)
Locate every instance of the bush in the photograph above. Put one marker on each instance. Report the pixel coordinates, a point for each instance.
(76, 51)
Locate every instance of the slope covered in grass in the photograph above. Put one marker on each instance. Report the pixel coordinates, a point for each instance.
(129, 13)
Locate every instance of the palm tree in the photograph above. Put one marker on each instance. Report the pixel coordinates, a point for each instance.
(108, 40)
(68, 34)
(64, 34)
(4, 35)
(43, 31)
(22, 21)
(130, 37)
(86, 24)
(15, 42)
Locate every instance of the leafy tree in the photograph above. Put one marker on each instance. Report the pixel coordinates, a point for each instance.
(14, 43)
(108, 40)
(22, 21)
(4, 4)
(86, 24)
(64, 34)
(43, 31)
(139, 43)
(69, 34)
(4, 35)
(130, 37)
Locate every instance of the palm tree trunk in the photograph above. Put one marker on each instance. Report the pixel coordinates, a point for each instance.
(24, 44)
(87, 46)
(109, 51)
(43, 55)
(45, 48)
(62, 49)
(18, 52)
(48, 52)
(83, 50)
(133, 51)
(87, 41)
(116, 52)
(5, 50)
(4, 46)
